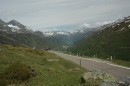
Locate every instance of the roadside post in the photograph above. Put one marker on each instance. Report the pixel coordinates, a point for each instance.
(80, 62)
(111, 58)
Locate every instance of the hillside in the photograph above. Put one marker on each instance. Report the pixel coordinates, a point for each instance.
(109, 40)
(49, 69)
(15, 33)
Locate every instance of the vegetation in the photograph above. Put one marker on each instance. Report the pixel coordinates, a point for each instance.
(15, 73)
(123, 63)
(16, 64)
(111, 40)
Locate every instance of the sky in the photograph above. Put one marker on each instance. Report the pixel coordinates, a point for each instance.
(50, 14)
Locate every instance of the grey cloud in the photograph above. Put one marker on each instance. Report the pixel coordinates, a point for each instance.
(62, 12)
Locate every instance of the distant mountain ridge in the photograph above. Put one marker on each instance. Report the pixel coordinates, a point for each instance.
(14, 32)
(14, 26)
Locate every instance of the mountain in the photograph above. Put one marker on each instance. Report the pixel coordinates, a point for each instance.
(16, 23)
(15, 33)
(55, 33)
(38, 33)
(77, 35)
(4, 27)
(109, 40)
(69, 38)
(62, 37)
(14, 26)
(2, 22)
(18, 27)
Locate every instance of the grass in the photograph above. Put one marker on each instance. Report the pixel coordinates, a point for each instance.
(58, 72)
(123, 63)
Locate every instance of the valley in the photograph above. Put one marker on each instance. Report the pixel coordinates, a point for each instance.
(20, 46)
(64, 42)
(110, 40)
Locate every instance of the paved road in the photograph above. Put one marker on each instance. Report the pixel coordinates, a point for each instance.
(91, 64)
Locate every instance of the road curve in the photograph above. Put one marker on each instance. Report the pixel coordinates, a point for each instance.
(90, 64)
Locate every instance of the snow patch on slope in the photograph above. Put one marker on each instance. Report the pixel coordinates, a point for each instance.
(63, 33)
(12, 26)
(47, 34)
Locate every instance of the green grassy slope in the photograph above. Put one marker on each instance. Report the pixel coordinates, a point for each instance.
(50, 69)
(111, 41)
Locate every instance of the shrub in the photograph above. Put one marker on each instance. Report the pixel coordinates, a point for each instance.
(2, 80)
(16, 73)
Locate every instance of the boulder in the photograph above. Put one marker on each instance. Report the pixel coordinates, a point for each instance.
(99, 77)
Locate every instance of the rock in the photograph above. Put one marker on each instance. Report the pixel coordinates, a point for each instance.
(109, 84)
(125, 81)
(100, 77)
(33, 72)
(53, 60)
(98, 74)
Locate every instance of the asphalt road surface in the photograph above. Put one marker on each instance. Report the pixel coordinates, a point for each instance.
(93, 64)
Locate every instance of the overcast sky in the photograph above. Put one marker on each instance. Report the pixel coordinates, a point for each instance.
(49, 13)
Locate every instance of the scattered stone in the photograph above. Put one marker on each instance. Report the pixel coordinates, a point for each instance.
(109, 84)
(77, 68)
(98, 74)
(53, 60)
(125, 81)
(33, 72)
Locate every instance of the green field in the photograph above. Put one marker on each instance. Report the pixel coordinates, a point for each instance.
(50, 70)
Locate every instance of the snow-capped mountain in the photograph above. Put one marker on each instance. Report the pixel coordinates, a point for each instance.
(117, 23)
(83, 30)
(55, 33)
(16, 23)
(14, 27)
